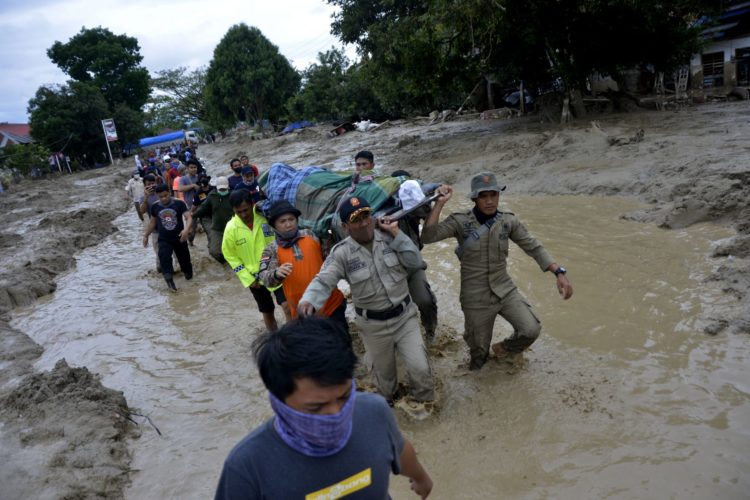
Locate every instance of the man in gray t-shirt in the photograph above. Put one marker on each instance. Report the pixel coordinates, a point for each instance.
(326, 440)
(188, 184)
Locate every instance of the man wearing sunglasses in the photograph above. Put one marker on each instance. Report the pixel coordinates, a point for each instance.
(376, 260)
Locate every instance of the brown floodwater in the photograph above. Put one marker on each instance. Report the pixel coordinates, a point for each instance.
(623, 396)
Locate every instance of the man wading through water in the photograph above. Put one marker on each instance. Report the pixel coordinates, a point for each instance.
(486, 288)
(167, 217)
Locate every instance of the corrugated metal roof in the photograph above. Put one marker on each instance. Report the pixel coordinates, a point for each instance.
(8, 138)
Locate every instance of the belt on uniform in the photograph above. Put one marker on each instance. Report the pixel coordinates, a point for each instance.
(383, 315)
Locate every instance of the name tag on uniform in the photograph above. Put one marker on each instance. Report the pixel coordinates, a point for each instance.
(241, 241)
(355, 265)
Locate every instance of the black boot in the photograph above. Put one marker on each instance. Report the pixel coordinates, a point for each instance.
(477, 362)
(170, 284)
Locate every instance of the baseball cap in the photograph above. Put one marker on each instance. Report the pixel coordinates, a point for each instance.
(222, 182)
(484, 181)
(167, 158)
(352, 206)
(250, 169)
(280, 208)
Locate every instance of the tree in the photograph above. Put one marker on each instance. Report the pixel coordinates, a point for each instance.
(417, 54)
(426, 54)
(247, 78)
(68, 118)
(109, 62)
(323, 83)
(24, 157)
(180, 92)
(129, 124)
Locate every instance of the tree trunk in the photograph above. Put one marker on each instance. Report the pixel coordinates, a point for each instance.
(490, 98)
(576, 100)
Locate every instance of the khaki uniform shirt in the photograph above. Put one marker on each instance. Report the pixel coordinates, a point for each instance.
(378, 280)
(484, 262)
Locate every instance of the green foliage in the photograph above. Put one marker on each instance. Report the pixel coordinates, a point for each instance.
(359, 97)
(420, 55)
(247, 79)
(332, 89)
(107, 81)
(24, 157)
(129, 124)
(606, 36)
(109, 62)
(68, 118)
(323, 82)
(179, 93)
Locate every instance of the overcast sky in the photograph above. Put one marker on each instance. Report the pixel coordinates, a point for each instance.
(171, 33)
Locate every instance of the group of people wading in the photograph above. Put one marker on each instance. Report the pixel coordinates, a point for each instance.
(326, 438)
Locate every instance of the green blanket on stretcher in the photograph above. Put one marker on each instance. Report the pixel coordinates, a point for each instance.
(317, 192)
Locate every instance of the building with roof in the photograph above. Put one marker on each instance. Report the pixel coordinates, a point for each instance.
(724, 62)
(14, 133)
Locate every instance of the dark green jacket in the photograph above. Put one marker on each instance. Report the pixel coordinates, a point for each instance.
(218, 208)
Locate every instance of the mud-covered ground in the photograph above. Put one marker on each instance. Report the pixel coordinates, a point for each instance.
(688, 165)
(63, 421)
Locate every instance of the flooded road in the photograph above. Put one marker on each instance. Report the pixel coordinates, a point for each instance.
(623, 396)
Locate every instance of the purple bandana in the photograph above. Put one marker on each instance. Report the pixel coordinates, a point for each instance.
(314, 435)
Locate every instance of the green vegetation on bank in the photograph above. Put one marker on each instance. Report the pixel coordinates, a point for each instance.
(415, 56)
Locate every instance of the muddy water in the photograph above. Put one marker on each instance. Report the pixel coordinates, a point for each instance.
(623, 396)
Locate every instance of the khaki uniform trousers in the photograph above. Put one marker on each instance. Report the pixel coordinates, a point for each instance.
(383, 339)
(515, 309)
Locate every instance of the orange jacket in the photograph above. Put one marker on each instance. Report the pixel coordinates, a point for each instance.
(306, 258)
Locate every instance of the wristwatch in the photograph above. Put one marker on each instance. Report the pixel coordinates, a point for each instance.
(560, 270)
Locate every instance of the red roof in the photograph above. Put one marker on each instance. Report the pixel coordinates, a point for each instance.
(16, 128)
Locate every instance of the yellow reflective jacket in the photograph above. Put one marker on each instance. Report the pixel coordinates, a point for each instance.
(242, 247)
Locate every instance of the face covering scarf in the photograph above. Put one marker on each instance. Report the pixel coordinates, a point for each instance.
(314, 435)
(286, 239)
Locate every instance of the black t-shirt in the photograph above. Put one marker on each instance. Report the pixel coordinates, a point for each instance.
(233, 181)
(169, 222)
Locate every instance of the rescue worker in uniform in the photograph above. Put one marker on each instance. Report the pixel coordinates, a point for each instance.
(486, 288)
(376, 263)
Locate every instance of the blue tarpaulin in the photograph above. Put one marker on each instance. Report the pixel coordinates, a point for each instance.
(178, 136)
(296, 125)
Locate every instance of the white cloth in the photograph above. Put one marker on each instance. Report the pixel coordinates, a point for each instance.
(410, 193)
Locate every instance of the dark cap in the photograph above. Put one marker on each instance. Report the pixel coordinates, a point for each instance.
(485, 181)
(352, 205)
(250, 169)
(280, 208)
(400, 173)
